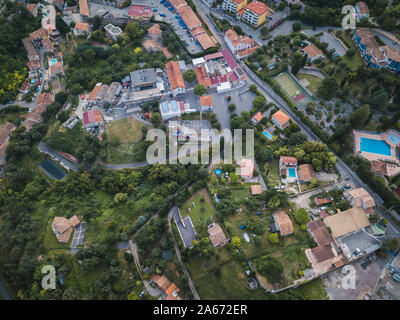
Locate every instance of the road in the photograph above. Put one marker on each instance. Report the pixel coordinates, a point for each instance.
(55, 155)
(178, 254)
(272, 96)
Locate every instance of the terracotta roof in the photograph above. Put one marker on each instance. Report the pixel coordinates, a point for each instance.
(189, 17)
(321, 201)
(39, 34)
(166, 53)
(175, 75)
(284, 223)
(169, 288)
(47, 45)
(29, 47)
(247, 168)
(82, 26)
(362, 198)
(44, 99)
(217, 236)
(306, 172)
(155, 30)
(258, 116)
(286, 159)
(232, 36)
(74, 221)
(34, 116)
(178, 3)
(312, 51)
(322, 253)
(63, 227)
(246, 52)
(347, 221)
(33, 64)
(206, 101)
(319, 232)
(391, 53)
(205, 41)
(367, 38)
(281, 117)
(257, 7)
(202, 77)
(256, 189)
(84, 8)
(92, 116)
(323, 214)
(362, 7)
(140, 11)
(56, 68)
(5, 131)
(94, 92)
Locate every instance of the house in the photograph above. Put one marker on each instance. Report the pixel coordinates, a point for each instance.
(202, 76)
(24, 87)
(5, 132)
(30, 49)
(202, 38)
(169, 110)
(362, 11)
(152, 45)
(95, 91)
(324, 258)
(346, 222)
(82, 29)
(44, 99)
(280, 119)
(33, 65)
(283, 223)
(84, 9)
(206, 103)
(312, 52)
(377, 57)
(168, 288)
(63, 227)
(288, 167)
(322, 201)
(112, 31)
(256, 118)
(47, 45)
(246, 168)
(33, 9)
(256, 189)
(143, 79)
(306, 172)
(255, 13)
(175, 78)
(319, 232)
(56, 69)
(234, 6)
(140, 12)
(155, 32)
(108, 93)
(189, 17)
(176, 4)
(216, 235)
(384, 168)
(361, 198)
(92, 118)
(239, 45)
(38, 35)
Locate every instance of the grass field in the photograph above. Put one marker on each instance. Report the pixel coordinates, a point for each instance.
(50, 240)
(203, 213)
(288, 84)
(272, 173)
(314, 81)
(128, 132)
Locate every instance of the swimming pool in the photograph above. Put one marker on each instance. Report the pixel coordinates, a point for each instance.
(53, 61)
(375, 146)
(267, 134)
(394, 138)
(292, 172)
(218, 171)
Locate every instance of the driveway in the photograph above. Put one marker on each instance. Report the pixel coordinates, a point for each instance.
(79, 235)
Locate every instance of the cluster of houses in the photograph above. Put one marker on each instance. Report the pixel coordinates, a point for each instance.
(254, 13)
(240, 46)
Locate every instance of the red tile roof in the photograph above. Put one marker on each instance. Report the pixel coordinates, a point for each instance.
(202, 77)
(284, 222)
(175, 75)
(257, 7)
(189, 17)
(281, 117)
(206, 101)
(44, 99)
(312, 51)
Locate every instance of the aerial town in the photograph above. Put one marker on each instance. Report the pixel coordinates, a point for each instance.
(86, 83)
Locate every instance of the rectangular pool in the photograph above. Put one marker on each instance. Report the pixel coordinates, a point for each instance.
(375, 146)
(52, 170)
(267, 134)
(292, 172)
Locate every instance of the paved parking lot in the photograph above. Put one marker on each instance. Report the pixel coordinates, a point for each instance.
(184, 35)
(329, 39)
(99, 8)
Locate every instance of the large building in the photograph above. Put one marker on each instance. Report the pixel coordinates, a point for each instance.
(169, 110)
(377, 57)
(361, 198)
(175, 77)
(234, 6)
(346, 222)
(281, 119)
(362, 11)
(255, 13)
(239, 45)
(312, 53)
(63, 227)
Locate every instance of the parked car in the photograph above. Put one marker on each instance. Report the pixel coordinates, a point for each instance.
(396, 277)
(82, 97)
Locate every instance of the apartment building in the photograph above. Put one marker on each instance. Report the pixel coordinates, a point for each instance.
(255, 13)
(234, 6)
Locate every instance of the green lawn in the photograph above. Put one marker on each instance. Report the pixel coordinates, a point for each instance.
(240, 193)
(313, 290)
(314, 81)
(50, 240)
(272, 173)
(203, 213)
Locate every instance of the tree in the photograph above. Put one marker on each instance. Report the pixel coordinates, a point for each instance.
(392, 244)
(259, 101)
(199, 90)
(296, 26)
(235, 242)
(232, 107)
(301, 216)
(328, 89)
(379, 100)
(359, 117)
(298, 62)
(273, 238)
(155, 119)
(189, 75)
(351, 52)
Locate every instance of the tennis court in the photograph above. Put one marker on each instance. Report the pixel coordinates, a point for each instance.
(293, 89)
(49, 168)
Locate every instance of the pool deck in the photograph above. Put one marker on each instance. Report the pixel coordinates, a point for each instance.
(393, 158)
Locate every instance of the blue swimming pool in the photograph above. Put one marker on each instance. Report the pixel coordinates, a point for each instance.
(267, 134)
(218, 171)
(394, 138)
(375, 146)
(292, 172)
